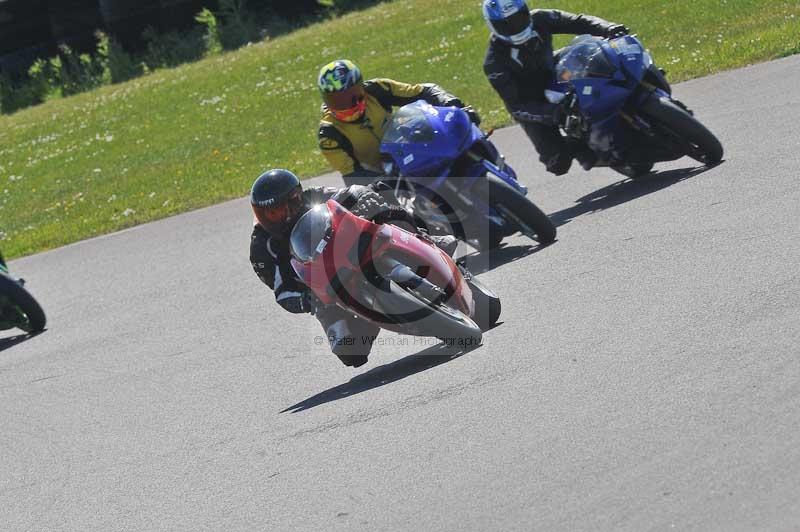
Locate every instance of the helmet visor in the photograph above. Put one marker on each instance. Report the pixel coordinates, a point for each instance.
(513, 25)
(345, 100)
(281, 213)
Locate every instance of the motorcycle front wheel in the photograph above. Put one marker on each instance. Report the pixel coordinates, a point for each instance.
(415, 314)
(683, 129)
(517, 209)
(31, 313)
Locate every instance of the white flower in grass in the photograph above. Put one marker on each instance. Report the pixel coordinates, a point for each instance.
(127, 212)
(212, 101)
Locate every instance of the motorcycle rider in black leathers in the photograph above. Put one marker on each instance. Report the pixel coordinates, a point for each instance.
(520, 65)
(278, 202)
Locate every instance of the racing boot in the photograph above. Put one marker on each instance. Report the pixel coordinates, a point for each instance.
(586, 158)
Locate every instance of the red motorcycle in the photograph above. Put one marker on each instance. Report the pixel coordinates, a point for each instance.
(394, 278)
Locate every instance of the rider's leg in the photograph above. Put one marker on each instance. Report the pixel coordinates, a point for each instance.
(553, 149)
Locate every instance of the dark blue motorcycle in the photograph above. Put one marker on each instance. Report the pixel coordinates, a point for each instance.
(620, 104)
(446, 171)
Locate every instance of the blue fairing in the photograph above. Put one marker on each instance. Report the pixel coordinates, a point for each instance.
(424, 140)
(604, 76)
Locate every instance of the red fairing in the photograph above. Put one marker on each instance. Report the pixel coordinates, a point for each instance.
(432, 263)
(351, 234)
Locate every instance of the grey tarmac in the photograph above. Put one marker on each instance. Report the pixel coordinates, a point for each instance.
(645, 376)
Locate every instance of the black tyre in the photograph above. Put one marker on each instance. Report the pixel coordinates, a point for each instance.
(35, 320)
(635, 170)
(487, 305)
(420, 317)
(518, 209)
(683, 129)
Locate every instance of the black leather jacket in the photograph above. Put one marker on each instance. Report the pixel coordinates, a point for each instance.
(270, 255)
(520, 74)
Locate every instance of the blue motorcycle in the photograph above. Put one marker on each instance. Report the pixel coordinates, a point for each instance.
(446, 171)
(620, 104)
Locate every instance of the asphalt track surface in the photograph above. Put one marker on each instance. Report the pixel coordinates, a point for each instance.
(645, 375)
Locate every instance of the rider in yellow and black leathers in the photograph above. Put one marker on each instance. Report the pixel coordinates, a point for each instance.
(355, 114)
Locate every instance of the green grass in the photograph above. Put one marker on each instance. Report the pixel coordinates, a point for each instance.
(199, 134)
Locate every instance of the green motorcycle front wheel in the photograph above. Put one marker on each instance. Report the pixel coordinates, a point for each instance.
(30, 315)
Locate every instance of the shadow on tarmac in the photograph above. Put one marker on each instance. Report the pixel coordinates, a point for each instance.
(485, 261)
(11, 341)
(599, 200)
(624, 191)
(383, 375)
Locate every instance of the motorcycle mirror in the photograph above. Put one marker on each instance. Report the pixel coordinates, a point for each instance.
(554, 96)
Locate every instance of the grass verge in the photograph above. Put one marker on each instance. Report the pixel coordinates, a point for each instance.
(188, 137)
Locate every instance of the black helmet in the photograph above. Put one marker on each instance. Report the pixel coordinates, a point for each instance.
(277, 201)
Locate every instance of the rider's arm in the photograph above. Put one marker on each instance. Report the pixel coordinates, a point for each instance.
(362, 200)
(395, 93)
(317, 195)
(368, 202)
(556, 21)
(503, 82)
(274, 269)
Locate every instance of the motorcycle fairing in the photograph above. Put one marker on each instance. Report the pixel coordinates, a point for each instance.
(425, 140)
(343, 272)
(604, 76)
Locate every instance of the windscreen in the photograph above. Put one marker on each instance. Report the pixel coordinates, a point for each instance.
(309, 234)
(584, 59)
(408, 126)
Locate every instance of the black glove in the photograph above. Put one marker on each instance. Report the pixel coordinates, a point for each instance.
(562, 109)
(473, 114)
(368, 203)
(617, 30)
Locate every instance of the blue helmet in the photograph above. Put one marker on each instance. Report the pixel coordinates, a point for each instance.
(509, 20)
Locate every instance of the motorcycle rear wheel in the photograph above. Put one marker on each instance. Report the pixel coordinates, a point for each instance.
(35, 319)
(684, 129)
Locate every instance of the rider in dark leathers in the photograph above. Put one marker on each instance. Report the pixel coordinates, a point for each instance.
(520, 65)
(350, 337)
